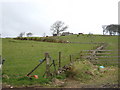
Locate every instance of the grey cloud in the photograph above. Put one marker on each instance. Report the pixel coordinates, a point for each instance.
(17, 18)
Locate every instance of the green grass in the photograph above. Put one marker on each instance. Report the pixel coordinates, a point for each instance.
(25, 81)
(22, 56)
(93, 38)
(81, 73)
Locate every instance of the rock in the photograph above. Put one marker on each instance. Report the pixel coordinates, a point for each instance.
(57, 82)
(11, 87)
(102, 70)
(7, 86)
(90, 73)
(5, 76)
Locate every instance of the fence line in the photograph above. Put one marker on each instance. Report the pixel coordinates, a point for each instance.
(59, 68)
(102, 50)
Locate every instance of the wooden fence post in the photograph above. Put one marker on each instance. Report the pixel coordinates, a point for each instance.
(47, 64)
(54, 67)
(59, 59)
(70, 58)
(35, 68)
(81, 55)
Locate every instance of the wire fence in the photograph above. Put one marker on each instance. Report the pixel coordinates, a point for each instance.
(97, 56)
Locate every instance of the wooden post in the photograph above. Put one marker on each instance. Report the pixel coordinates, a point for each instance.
(59, 59)
(70, 58)
(35, 68)
(47, 64)
(81, 55)
(45, 71)
(54, 67)
(0, 58)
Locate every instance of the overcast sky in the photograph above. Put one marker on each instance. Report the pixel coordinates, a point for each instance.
(37, 16)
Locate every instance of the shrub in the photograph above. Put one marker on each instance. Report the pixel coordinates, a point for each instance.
(84, 70)
(43, 39)
(61, 76)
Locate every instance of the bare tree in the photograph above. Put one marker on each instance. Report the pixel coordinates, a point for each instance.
(21, 34)
(104, 29)
(112, 29)
(29, 34)
(44, 34)
(58, 27)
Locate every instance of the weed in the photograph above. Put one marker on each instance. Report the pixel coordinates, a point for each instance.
(82, 71)
(61, 76)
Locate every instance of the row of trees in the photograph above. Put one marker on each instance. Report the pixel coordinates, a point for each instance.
(111, 29)
(56, 28)
(60, 26)
(27, 34)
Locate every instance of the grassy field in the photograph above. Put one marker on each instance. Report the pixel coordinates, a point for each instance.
(111, 41)
(22, 56)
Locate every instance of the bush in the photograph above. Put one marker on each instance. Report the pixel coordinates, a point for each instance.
(84, 70)
(61, 76)
(43, 39)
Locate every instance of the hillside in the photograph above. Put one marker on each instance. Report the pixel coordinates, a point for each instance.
(23, 55)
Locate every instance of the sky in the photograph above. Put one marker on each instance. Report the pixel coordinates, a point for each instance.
(37, 16)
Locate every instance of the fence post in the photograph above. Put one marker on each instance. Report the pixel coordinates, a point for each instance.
(54, 67)
(47, 64)
(81, 55)
(70, 58)
(59, 59)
